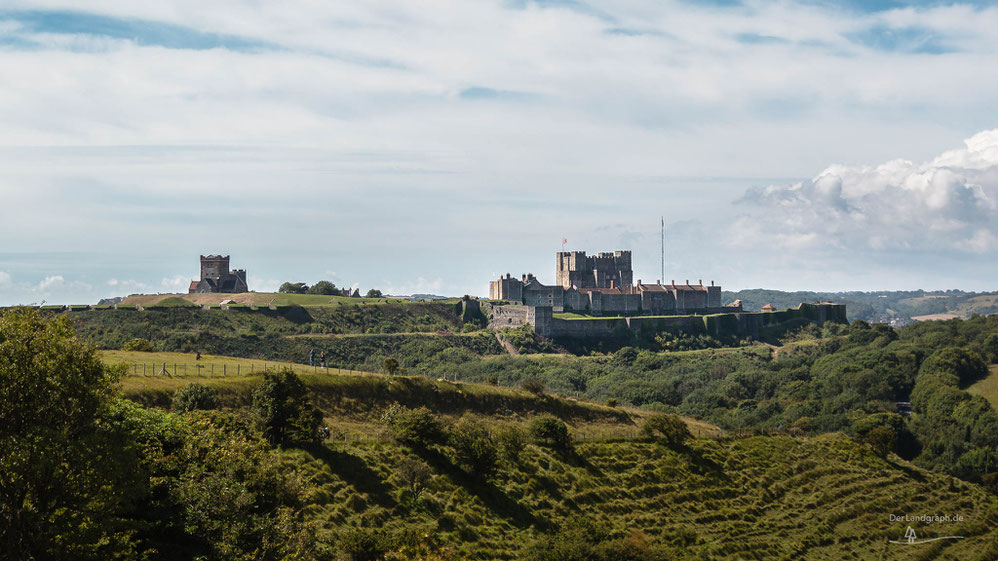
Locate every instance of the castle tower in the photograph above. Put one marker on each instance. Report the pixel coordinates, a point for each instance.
(214, 267)
(603, 270)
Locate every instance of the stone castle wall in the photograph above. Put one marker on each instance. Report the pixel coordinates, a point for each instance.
(718, 322)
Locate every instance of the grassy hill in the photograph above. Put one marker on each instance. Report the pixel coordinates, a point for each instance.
(719, 497)
(987, 387)
(755, 498)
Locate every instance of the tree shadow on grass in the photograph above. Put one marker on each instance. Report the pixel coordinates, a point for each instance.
(494, 498)
(355, 472)
(908, 470)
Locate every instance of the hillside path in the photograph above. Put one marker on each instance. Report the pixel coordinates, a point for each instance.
(507, 345)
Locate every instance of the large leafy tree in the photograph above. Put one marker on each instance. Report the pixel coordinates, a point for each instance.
(59, 457)
(293, 288)
(284, 403)
(323, 287)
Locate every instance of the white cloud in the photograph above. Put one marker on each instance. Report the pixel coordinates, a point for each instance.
(947, 204)
(50, 282)
(177, 283)
(5, 278)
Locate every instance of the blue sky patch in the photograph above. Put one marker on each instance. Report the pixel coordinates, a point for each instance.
(915, 40)
(141, 32)
(479, 92)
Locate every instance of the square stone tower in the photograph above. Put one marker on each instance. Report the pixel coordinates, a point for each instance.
(603, 270)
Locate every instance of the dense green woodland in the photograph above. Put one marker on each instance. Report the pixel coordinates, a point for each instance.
(836, 378)
(876, 306)
(85, 474)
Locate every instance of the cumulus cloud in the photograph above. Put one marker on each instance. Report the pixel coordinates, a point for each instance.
(176, 284)
(50, 282)
(949, 203)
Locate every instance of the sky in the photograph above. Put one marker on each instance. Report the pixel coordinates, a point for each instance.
(432, 146)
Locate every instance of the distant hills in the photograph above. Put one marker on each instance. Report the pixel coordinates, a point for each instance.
(881, 306)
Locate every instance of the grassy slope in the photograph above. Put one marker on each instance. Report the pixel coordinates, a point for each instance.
(260, 299)
(759, 497)
(988, 387)
(358, 398)
(824, 498)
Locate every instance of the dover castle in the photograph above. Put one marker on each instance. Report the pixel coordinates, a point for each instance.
(602, 284)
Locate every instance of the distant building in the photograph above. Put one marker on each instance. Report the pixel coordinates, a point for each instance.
(768, 308)
(602, 284)
(216, 277)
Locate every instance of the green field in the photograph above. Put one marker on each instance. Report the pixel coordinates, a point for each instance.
(988, 387)
(260, 300)
(354, 400)
(184, 365)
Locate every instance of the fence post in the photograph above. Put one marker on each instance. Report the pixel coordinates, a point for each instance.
(174, 368)
(213, 369)
(237, 369)
(135, 369)
(143, 369)
(223, 370)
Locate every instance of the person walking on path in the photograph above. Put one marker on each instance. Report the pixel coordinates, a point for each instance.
(311, 357)
(322, 359)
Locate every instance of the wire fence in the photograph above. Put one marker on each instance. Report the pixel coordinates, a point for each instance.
(212, 370)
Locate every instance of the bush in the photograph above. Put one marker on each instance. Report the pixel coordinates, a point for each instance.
(511, 440)
(881, 439)
(362, 544)
(283, 402)
(669, 428)
(373, 293)
(195, 396)
(391, 366)
(474, 449)
(533, 385)
(419, 428)
(551, 430)
(611, 402)
(583, 539)
(138, 344)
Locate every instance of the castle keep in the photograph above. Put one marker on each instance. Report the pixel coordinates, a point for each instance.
(216, 277)
(601, 284)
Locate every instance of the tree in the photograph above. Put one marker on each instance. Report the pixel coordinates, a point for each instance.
(419, 428)
(670, 428)
(323, 287)
(195, 396)
(284, 404)
(391, 366)
(881, 439)
(474, 449)
(551, 430)
(138, 344)
(59, 455)
(373, 293)
(533, 385)
(293, 288)
(414, 476)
